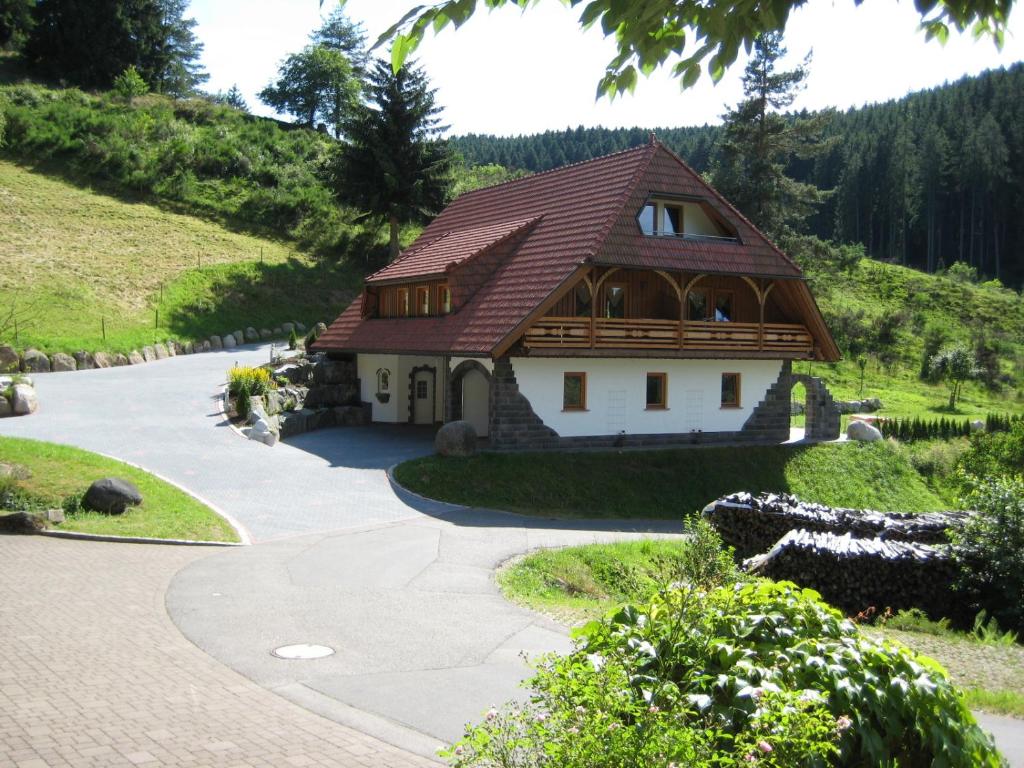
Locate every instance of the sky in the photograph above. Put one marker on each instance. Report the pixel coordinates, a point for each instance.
(510, 72)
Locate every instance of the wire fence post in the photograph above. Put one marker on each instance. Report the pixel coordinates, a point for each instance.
(157, 323)
(103, 327)
(16, 330)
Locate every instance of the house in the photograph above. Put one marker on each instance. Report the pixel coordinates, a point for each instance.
(612, 302)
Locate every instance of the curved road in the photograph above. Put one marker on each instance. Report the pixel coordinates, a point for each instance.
(399, 587)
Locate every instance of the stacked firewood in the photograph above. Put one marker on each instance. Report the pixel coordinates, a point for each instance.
(857, 574)
(751, 524)
(857, 559)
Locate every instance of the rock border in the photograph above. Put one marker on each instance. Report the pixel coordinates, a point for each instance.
(61, 362)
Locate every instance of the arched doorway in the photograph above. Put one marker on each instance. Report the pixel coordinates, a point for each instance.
(470, 395)
(476, 397)
(798, 410)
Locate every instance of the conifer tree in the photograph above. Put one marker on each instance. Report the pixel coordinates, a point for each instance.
(759, 142)
(394, 165)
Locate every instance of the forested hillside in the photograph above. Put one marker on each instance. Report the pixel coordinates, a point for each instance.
(927, 180)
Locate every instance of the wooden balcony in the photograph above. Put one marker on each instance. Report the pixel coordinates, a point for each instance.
(789, 340)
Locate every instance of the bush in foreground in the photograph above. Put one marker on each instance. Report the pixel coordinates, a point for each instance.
(760, 674)
(989, 550)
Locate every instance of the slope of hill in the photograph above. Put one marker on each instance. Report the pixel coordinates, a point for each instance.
(889, 314)
(74, 260)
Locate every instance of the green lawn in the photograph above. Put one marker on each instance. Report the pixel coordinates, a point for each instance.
(577, 584)
(673, 483)
(74, 259)
(58, 472)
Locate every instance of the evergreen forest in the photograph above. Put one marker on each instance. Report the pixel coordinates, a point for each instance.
(924, 181)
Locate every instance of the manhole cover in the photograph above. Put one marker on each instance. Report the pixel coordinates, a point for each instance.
(302, 651)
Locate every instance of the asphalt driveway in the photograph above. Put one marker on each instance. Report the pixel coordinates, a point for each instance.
(400, 588)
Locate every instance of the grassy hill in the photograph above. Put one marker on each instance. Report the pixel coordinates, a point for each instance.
(72, 257)
(887, 313)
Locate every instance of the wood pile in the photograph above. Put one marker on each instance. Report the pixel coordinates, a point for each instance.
(752, 524)
(854, 574)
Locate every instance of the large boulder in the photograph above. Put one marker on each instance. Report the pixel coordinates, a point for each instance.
(6, 409)
(206, 347)
(148, 354)
(251, 334)
(60, 362)
(239, 337)
(188, 348)
(456, 438)
(299, 327)
(35, 361)
(264, 431)
(862, 431)
(102, 360)
(266, 334)
(977, 425)
(111, 495)
(228, 341)
(84, 360)
(135, 358)
(287, 328)
(319, 328)
(216, 343)
(120, 360)
(9, 360)
(23, 400)
(160, 351)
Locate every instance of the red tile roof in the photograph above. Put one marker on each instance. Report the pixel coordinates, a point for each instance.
(571, 216)
(437, 256)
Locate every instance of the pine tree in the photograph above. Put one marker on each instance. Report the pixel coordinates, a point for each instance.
(90, 42)
(174, 66)
(340, 34)
(233, 98)
(759, 142)
(393, 164)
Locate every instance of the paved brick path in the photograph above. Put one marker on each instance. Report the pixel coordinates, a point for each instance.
(93, 673)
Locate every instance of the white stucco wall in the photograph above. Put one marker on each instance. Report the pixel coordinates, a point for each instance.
(367, 367)
(616, 394)
(396, 410)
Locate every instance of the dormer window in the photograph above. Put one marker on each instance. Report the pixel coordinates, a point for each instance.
(690, 219)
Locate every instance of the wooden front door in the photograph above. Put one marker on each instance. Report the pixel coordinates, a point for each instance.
(423, 398)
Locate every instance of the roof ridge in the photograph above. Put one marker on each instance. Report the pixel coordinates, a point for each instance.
(550, 171)
(733, 208)
(408, 253)
(651, 148)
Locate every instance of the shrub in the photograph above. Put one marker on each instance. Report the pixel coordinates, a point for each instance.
(255, 380)
(995, 453)
(243, 405)
(763, 669)
(293, 340)
(989, 550)
(130, 84)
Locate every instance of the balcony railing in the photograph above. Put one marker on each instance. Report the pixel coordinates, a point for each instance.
(604, 333)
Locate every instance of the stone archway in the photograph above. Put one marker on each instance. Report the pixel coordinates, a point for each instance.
(469, 395)
(821, 417)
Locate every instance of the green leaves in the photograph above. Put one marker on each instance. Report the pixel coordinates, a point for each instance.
(652, 33)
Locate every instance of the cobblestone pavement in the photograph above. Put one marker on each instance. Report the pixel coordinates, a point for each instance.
(93, 673)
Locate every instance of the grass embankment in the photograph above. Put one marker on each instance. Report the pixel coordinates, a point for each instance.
(577, 584)
(888, 311)
(672, 483)
(73, 258)
(59, 472)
